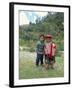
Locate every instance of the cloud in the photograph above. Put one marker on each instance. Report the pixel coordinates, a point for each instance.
(41, 14)
(30, 13)
(34, 19)
(23, 18)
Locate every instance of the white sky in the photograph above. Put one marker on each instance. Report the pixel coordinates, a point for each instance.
(23, 18)
(41, 13)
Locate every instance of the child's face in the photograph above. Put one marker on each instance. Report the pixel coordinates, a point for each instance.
(48, 40)
(41, 38)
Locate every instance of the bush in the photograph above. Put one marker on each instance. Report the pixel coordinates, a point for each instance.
(32, 49)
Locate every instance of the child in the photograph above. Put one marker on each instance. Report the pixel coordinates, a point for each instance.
(40, 50)
(50, 52)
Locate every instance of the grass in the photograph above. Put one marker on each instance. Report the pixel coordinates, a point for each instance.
(28, 69)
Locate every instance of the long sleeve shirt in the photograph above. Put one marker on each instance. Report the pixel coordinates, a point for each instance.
(40, 47)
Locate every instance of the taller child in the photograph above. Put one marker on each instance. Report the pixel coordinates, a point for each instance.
(50, 52)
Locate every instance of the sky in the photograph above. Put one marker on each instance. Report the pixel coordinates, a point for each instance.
(30, 16)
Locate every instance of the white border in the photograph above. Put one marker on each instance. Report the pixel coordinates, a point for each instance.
(16, 46)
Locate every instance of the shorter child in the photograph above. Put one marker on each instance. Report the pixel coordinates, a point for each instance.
(40, 50)
(50, 52)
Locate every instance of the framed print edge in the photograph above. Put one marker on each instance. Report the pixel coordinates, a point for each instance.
(11, 44)
(69, 45)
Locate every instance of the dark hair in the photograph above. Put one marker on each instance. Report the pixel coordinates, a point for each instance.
(42, 35)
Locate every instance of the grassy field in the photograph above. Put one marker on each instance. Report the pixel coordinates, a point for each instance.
(28, 69)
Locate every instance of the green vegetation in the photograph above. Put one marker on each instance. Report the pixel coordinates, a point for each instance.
(49, 24)
(28, 70)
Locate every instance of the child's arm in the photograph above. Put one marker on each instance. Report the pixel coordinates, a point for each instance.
(37, 46)
(44, 49)
(54, 46)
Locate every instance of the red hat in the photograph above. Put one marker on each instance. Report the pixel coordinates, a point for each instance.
(48, 36)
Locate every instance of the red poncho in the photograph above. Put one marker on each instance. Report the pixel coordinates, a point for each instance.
(50, 49)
